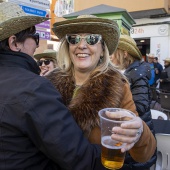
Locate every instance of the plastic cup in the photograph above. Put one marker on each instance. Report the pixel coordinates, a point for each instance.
(111, 156)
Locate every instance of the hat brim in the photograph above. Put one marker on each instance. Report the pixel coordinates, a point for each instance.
(105, 27)
(131, 49)
(151, 57)
(17, 24)
(167, 60)
(51, 55)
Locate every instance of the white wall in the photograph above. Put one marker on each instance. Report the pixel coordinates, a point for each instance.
(159, 38)
(159, 46)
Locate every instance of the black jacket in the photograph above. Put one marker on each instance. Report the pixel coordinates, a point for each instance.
(138, 74)
(165, 76)
(159, 68)
(37, 132)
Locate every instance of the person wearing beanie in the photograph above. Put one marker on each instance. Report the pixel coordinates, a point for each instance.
(127, 57)
(46, 61)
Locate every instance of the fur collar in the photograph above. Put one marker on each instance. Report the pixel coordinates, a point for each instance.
(97, 93)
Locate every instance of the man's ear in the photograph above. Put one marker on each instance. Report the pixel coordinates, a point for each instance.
(12, 43)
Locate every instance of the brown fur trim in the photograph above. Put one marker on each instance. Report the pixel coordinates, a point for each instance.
(105, 90)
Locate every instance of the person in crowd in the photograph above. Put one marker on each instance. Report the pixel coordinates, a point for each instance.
(88, 81)
(165, 76)
(46, 61)
(128, 57)
(37, 131)
(150, 58)
(158, 69)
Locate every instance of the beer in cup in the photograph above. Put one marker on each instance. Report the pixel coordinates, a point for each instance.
(111, 156)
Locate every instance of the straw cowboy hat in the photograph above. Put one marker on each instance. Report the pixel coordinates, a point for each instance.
(90, 24)
(48, 53)
(167, 59)
(152, 56)
(13, 20)
(128, 44)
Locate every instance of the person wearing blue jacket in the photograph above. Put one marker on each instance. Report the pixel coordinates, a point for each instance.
(152, 68)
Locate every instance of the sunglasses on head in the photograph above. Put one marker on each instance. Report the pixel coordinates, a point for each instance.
(91, 39)
(46, 62)
(35, 37)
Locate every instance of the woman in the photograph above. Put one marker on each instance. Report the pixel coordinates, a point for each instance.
(35, 126)
(88, 81)
(128, 57)
(165, 76)
(46, 61)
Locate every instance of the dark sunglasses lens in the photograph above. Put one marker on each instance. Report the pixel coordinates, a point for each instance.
(37, 38)
(73, 39)
(39, 63)
(92, 39)
(46, 62)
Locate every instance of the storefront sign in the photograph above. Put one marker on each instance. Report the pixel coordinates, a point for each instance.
(45, 4)
(44, 34)
(40, 3)
(45, 25)
(150, 31)
(33, 11)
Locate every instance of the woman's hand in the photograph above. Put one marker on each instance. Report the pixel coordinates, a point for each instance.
(129, 132)
(44, 72)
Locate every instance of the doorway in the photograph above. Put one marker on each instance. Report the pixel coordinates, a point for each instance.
(144, 46)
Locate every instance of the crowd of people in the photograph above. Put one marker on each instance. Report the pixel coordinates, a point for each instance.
(160, 77)
(50, 101)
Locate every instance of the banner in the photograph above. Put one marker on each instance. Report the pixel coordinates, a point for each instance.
(63, 7)
(45, 4)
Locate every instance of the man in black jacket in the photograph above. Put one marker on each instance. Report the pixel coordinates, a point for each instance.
(158, 69)
(37, 132)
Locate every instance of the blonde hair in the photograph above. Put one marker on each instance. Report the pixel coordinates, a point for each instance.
(122, 61)
(66, 65)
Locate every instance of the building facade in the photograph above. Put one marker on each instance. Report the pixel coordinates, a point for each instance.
(152, 20)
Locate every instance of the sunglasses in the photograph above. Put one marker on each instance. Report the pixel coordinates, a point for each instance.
(46, 62)
(36, 37)
(91, 39)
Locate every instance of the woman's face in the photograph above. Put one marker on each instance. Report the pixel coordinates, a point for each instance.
(85, 57)
(46, 65)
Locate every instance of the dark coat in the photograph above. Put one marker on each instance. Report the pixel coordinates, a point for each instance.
(37, 132)
(138, 74)
(165, 76)
(159, 68)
